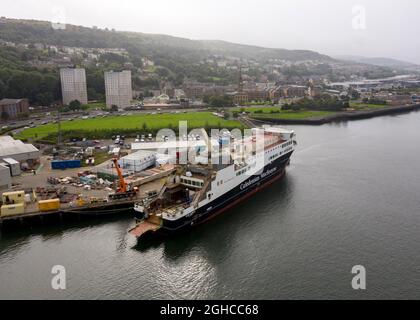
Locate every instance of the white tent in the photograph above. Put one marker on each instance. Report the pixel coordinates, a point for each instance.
(16, 149)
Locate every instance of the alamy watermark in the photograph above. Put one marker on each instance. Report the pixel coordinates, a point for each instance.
(58, 18)
(58, 281)
(359, 17)
(359, 280)
(223, 147)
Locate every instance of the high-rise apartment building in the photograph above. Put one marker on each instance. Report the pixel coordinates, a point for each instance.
(73, 85)
(118, 89)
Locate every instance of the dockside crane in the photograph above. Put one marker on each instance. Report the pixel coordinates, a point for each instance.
(122, 189)
(122, 186)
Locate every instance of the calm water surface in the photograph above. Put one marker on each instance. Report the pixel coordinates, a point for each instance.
(351, 196)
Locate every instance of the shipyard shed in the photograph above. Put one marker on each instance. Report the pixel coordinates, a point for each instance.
(138, 161)
(5, 177)
(17, 150)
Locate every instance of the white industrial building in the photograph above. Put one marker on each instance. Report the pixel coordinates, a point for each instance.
(13, 165)
(118, 89)
(138, 161)
(5, 177)
(12, 151)
(73, 85)
(131, 164)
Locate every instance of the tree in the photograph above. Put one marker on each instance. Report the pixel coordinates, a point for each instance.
(206, 99)
(24, 115)
(355, 95)
(221, 101)
(75, 105)
(296, 107)
(5, 116)
(45, 98)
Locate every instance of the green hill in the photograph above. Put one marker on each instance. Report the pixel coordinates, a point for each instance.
(30, 31)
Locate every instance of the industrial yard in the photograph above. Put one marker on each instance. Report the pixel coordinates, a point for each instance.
(88, 177)
(70, 181)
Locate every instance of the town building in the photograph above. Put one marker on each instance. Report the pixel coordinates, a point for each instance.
(169, 90)
(239, 98)
(118, 89)
(196, 91)
(161, 99)
(73, 85)
(399, 99)
(257, 95)
(293, 91)
(179, 94)
(14, 107)
(287, 91)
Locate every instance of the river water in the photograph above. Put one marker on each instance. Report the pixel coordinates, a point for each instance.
(351, 197)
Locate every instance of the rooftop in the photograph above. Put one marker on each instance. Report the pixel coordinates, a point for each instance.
(9, 147)
(5, 102)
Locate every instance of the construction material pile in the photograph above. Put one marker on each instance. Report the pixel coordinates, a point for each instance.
(85, 180)
(49, 193)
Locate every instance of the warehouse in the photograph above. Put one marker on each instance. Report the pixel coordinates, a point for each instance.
(5, 178)
(26, 154)
(131, 164)
(138, 161)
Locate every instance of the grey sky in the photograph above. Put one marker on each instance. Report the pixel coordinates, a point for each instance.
(322, 25)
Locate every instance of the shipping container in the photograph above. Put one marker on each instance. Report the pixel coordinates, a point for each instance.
(5, 177)
(49, 205)
(65, 164)
(14, 166)
(13, 197)
(12, 210)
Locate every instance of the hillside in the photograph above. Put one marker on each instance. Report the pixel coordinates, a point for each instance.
(29, 31)
(31, 52)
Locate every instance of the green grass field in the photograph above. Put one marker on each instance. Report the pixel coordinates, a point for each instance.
(254, 109)
(153, 122)
(290, 115)
(366, 106)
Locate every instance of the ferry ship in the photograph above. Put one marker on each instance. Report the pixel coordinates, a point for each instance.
(196, 193)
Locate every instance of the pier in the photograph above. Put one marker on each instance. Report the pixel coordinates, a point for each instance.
(91, 210)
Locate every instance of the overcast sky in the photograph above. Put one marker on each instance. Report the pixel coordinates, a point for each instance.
(377, 28)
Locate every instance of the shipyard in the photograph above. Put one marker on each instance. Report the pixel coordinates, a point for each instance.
(162, 172)
(49, 187)
(217, 150)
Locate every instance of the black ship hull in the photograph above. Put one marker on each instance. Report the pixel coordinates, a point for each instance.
(271, 173)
